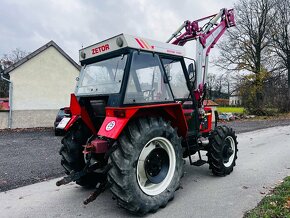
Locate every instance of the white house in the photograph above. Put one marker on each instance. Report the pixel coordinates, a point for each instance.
(42, 83)
(235, 100)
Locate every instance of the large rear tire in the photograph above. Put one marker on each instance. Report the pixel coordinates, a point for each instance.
(72, 154)
(222, 152)
(146, 166)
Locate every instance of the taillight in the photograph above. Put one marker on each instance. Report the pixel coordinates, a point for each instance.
(119, 113)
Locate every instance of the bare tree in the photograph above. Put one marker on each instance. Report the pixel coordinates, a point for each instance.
(211, 80)
(281, 36)
(6, 61)
(246, 47)
(16, 55)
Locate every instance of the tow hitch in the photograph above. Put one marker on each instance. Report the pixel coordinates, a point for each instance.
(102, 178)
(101, 187)
(73, 176)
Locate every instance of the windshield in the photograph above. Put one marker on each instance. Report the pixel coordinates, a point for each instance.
(104, 77)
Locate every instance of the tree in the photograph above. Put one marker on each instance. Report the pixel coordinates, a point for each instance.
(211, 80)
(9, 59)
(281, 38)
(6, 61)
(246, 47)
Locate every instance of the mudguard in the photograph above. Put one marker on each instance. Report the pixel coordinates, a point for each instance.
(117, 118)
(78, 112)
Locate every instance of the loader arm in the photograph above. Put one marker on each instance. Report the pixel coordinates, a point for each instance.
(206, 37)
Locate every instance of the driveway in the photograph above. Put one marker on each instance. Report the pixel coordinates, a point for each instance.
(263, 160)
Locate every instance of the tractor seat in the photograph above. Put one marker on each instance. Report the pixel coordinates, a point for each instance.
(187, 105)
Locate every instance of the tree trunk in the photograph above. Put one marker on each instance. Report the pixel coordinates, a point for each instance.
(288, 68)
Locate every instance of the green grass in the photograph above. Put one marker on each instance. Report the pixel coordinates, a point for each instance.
(276, 204)
(238, 110)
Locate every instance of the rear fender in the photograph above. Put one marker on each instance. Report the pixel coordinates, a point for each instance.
(78, 112)
(117, 118)
(113, 124)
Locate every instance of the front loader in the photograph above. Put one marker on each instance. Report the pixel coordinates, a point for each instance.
(138, 110)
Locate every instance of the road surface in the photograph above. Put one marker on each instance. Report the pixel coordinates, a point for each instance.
(263, 160)
(33, 153)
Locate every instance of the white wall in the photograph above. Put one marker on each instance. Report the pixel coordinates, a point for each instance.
(44, 82)
(3, 120)
(33, 118)
(235, 100)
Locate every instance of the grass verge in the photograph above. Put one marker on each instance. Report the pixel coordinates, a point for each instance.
(238, 110)
(275, 204)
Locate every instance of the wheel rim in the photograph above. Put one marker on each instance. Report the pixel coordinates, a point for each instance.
(156, 166)
(229, 151)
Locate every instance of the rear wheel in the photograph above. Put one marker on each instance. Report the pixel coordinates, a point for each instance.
(147, 166)
(72, 154)
(222, 153)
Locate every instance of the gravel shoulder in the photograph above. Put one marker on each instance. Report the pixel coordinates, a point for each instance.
(241, 126)
(30, 156)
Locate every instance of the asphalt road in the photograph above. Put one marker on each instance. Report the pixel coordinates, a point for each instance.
(263, 160)
(31, 156)
(27, 157)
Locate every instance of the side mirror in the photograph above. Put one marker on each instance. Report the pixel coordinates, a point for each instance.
(191, 72)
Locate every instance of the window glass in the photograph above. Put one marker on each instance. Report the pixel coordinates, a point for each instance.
(104, 77)
(146, 81)
(174, 71)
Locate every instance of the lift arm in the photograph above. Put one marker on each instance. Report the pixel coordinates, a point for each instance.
(206, 37)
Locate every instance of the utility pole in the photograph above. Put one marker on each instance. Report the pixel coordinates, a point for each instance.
(10, 98)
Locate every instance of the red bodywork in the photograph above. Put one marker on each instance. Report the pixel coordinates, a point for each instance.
(79, 112)
(120, 117)
(117, 117)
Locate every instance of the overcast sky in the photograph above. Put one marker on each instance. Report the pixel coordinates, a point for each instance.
(29, 24)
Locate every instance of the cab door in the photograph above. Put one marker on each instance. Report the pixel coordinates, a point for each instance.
(177, 80)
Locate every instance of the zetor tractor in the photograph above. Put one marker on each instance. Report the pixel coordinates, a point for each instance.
(138, 110)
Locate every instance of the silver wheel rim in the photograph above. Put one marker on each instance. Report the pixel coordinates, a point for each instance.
(230, 140)
(143, 179)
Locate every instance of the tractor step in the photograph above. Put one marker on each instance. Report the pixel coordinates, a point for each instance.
(199, 163)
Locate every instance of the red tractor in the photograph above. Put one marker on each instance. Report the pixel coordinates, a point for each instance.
(138, 110)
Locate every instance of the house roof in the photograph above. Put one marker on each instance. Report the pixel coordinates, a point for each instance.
(4, 104)
(205, 103)
(209, 103)
(36, 52)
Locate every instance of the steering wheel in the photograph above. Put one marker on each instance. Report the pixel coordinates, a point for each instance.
(150, 94)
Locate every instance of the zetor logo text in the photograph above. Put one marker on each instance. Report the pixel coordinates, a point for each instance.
(100, 49)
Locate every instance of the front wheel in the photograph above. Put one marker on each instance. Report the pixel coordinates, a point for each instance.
(147, 166)
(222, 151)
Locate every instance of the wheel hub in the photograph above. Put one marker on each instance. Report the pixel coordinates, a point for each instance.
(156, 165)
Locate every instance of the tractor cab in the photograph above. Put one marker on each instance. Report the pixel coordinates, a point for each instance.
(127, 71)
(130, 70)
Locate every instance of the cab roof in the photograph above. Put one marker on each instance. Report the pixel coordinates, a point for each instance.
(127, 41)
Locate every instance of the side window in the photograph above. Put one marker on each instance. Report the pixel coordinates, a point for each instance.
(174, 71)
(146, 81)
